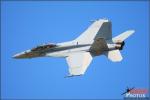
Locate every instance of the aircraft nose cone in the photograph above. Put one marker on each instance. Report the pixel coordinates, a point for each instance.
(26, 54)
(17, 56)
(14, 56)
(20, 55)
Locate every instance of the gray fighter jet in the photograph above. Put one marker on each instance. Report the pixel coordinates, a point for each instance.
(96, 40)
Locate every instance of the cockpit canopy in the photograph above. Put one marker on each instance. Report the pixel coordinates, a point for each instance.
(43, 47)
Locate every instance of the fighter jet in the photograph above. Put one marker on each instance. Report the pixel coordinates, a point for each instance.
(96, 40)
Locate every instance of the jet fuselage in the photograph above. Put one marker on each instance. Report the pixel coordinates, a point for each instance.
(95, 40)
(63, 49)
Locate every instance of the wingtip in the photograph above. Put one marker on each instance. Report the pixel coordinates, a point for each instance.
(132, 31)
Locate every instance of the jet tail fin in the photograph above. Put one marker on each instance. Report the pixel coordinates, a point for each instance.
(114, 55)
(123, 36)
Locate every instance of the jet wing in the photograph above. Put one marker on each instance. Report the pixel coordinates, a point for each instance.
(100, 28)
(78, 63)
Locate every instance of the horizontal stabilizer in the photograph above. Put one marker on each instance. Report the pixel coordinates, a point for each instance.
(114, 55)
(123, 36)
